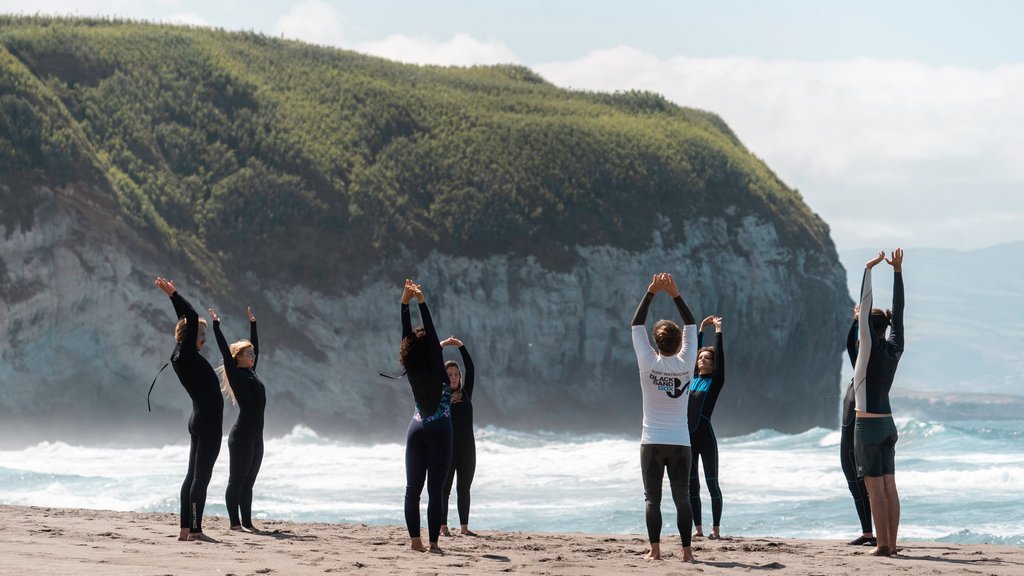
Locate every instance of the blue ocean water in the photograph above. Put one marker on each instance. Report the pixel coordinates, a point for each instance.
(959, 482)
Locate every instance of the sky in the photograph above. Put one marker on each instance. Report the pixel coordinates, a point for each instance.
(900, 123)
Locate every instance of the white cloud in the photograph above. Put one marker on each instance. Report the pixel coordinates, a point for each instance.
(899, 146)
(189, 18)
(461, 50)
(312, 21)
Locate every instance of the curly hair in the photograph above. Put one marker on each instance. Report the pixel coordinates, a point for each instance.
(668, 337)
(414, 352)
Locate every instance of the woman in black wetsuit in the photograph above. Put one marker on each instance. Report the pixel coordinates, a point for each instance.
(704, 391)
(198, 378)
(875, 433)
(240, 383)
(428, 444)
(846, 453)
(463, 442)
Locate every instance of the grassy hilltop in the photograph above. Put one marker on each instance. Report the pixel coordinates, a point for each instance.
(237, 151)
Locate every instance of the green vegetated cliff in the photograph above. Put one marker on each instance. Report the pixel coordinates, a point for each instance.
(308, 180)
(240, 151)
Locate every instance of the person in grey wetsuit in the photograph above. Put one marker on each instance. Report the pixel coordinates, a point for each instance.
(846, 452)
(875, 431)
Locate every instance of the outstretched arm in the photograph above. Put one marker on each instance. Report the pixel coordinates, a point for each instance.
(182, 308)
(468, 378)
(898, 300)
(225, 350)
(718, 379)
(684, 310)
(254, 338)
(657, 284)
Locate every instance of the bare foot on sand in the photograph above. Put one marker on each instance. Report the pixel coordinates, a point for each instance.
(435, 549)
(465, 531)
(880, 551)
(200, 537)
(688, 554)
(183, 536)
(252, 529)
(654, 553)
(417, 545)
(444, 531)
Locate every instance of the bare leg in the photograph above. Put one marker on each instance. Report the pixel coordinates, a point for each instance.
(893, 498)
(655, 553)
(417, 544)
(183, 536)
(879, 513)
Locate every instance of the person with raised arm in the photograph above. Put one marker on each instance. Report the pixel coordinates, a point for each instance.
(240, 383)
(707, 385)
(665, 376)
(846, 452)
(428, 443)
(463, 441)
(205, 425)
(875, 431)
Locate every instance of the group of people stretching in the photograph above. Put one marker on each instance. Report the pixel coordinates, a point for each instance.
(671, 441)
(680, 381)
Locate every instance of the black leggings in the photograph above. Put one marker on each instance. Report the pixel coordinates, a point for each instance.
(704, 445)
(428, 453)
(856, 484)
(246, 458)
(463, 462)
(201, 457)
(654, 460)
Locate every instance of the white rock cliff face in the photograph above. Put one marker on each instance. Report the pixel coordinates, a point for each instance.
(83, 330)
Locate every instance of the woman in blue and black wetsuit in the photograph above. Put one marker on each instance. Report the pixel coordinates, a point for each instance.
(846, 452)
(875, 432)
(704, 391)
(205, 425)
(463, 441)
(428, 444)
(245, 442)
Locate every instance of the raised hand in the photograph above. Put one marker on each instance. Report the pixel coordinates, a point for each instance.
(670, 286)
(705, 322)
(896, 261)
(407, 291)
(416, 290)
(252, 317)
(166, 285)
(657, 284)
(871, 263)
(213, 314)
(451, 341)
(718, 323)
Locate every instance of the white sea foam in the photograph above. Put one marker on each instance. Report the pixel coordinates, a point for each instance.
(958, 481)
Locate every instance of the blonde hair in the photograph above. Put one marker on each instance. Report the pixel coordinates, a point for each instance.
(179, 330)
(225, 385)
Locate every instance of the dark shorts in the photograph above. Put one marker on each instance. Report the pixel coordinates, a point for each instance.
(874, 446)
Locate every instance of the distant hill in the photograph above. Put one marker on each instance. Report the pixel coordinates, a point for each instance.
(964, 319)
(307, 181)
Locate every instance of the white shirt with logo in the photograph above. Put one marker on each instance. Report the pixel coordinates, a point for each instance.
(665, 383)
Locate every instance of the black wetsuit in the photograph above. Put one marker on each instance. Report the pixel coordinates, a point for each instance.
(428, 443)
(704, 391)
(873, 374)
(205, 425)
(463, 443)
(245, 442)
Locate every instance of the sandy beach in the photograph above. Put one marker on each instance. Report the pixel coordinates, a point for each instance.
(73, 541)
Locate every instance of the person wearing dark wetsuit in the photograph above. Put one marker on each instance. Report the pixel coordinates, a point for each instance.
(205, 425)
(875, 433)
(245, 442)
(665, 376)
(846, 452)
(463, 442)
(428, 443)
(704, 390)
